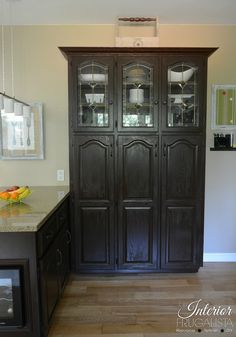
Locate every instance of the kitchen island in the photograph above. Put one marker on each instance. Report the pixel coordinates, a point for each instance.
(34, 257)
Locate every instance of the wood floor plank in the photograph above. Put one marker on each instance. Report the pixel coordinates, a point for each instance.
(140, 305)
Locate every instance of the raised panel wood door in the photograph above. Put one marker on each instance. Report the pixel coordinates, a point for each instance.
(137, 202)
(94, 209)
(182, 169)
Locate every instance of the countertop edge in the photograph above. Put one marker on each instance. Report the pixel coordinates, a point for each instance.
(9, 223)
(41, 223)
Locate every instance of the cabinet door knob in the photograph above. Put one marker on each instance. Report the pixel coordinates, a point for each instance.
(156, 150)
(164, 102)
(111, 150)
(156, 102)
(164, 150)
(110, 102)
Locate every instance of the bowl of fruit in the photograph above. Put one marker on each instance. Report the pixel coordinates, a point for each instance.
(15, 194)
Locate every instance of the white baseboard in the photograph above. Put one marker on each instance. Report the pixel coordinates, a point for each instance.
(219, 257)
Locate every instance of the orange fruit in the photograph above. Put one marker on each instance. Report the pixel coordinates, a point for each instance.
(5, 195)
(14, 195)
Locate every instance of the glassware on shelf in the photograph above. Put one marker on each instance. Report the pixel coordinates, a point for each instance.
(137, 95)
(93, 108)
(183, 96)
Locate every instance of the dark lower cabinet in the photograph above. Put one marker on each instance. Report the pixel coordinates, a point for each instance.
(137, 239)
(49, 286)
(54, 265)
(95, 228)
(43, 261)
(130, 229)
(63, 256)
(54, 270)
(179, 247)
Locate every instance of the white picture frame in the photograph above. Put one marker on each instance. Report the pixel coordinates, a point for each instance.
(223, 107)
(22, 137)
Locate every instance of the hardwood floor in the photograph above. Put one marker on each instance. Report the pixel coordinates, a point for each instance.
(147, 305)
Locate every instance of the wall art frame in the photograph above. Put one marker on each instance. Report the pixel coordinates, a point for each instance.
(223, 106)
(22, 137)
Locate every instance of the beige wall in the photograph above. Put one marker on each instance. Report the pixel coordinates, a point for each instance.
(41, 75)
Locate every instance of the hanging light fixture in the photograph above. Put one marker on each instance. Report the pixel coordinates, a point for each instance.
(9, 104)
(1, 102)
(18, 108)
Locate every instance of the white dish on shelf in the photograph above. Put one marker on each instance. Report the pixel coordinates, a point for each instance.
(178, 98)
(94, 98)
(136, 95)
(180, 76)
(92, 77)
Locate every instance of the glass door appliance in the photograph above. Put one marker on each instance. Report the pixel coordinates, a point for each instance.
(11, 296)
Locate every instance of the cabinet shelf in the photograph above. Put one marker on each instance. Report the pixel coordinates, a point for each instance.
(97, 105)
(222, 149)
(140, 84)
(93, 85)
(182, 84)
(137, 105)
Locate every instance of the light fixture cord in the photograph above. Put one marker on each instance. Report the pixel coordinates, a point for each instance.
(12, 50)
(3, 60)
(12, 63)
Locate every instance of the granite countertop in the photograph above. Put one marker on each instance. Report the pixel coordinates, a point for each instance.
(29, 216)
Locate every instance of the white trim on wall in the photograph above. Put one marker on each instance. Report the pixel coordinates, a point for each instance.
(219, 257)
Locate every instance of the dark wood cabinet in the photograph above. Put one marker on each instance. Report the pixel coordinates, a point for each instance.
(54, 265)
(63, 253)
(43, 259)
(137, 202)
(182, 201)
(138, 93)
(93, 93)
(137, 157)
(94, 202)
(49, 285)
(183, 98)
(54, 270)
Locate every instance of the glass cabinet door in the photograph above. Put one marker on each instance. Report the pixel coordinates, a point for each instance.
(183, 100)
(137, 96)
(93, 105)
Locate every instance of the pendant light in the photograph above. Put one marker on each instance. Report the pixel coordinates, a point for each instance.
(1, 102)
(9, 104)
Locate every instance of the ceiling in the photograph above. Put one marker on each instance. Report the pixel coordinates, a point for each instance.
(34, 12)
